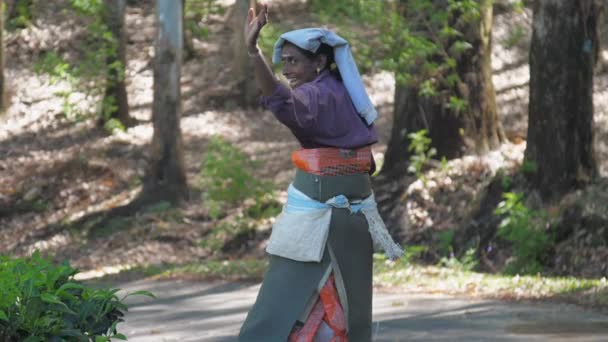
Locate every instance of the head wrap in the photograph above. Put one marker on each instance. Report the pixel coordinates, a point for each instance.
(310, 39)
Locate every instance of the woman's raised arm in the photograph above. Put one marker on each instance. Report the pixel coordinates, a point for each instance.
(263, 73)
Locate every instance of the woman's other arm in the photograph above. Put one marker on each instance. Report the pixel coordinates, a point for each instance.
(263, 73)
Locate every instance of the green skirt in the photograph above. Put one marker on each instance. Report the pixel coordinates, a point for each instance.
(290, 288)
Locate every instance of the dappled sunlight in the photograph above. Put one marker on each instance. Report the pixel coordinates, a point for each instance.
(442, 198)
(511, 74)
(600, 101)
(57, 170)
(103, 271)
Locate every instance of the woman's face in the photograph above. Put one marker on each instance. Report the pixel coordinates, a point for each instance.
(297, 67)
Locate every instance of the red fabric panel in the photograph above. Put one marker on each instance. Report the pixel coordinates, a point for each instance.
(327, 309)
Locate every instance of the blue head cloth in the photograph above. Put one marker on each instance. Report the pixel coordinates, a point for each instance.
(310, 39)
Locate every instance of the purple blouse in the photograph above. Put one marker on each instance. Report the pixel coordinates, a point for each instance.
(320, 113)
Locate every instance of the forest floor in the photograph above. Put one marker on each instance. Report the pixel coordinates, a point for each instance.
(55, 169)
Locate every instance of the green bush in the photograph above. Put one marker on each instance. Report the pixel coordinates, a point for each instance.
(196, 12)
(226, 178)
(421, 152)
(21, 16)
(526, 229)
(40, 301)
(89, 73)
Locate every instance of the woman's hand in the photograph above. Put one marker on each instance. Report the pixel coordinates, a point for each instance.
(253, 26)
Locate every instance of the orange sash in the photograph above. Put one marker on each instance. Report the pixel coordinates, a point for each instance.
(330, 161)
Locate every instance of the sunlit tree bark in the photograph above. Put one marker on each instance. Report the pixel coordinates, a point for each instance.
(166, 177)
(246, 92)
(563, 53)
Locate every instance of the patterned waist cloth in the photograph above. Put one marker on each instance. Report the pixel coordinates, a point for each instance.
(330, 161)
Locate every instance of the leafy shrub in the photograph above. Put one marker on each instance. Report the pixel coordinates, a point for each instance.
(410, 254)
(466, 263)
(227, 179)
(421, 151)
(516, 35)
(446, 238)
(87, 75)
(195, 12)
(20, 16)
(420, 41)
(527, 230)
(529, 167)
(40, 301)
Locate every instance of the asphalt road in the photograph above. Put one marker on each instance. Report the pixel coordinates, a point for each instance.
(214, 311)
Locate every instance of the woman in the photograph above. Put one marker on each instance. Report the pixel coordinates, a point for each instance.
(319, 283)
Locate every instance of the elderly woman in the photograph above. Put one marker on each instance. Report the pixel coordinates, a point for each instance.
(319, 283)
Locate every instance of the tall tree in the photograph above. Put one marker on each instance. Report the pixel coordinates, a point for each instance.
(2, 90)
(115, 103)
(246, 92)
(563, 53)
(166, 177)
(189, 50)
(449, 89)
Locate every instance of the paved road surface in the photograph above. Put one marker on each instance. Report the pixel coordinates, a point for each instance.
(214, 311)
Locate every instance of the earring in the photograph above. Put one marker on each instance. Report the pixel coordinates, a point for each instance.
(318, 70)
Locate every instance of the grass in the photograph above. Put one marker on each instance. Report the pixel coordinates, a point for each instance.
(457, 281)
(405, 276)
(249, 269)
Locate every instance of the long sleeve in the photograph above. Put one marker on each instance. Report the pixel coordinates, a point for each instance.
(320, 113)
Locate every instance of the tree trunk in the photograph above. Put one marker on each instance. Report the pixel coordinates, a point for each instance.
(413, 112)
(115, 103)
(166, 178)
(562, 58)
(3, 104)
(246, 91)
(482, 125)
(475, 128)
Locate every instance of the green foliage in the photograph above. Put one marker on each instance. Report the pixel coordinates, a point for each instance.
(506, 181)
(226, 231)
(21, 16)
(515, 37)
(466, 263)
(446, 238)
(419, 40)
(526, 229)
(226, 178)
(40, 301)
(223, 269)
(87, 7)
(528, 167)
(196, 12)
(421, 151)
(458, 105)
(113, 125)
(351, 13)
(409, 254)
(88, 74)
(444, 167)
(519, 6)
